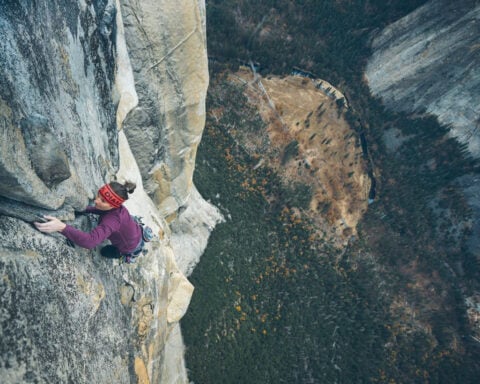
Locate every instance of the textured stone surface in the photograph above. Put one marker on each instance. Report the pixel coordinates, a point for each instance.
(167, 46)
(190, 231)
(67, 315)
(48, 158)
(426, 62)
(62, 70)
(60, 321)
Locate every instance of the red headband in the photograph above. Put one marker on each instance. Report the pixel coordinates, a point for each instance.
(110, 196)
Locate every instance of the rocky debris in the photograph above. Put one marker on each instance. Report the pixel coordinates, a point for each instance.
(308, 141)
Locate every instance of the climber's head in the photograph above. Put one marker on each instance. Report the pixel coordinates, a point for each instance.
(112, 195)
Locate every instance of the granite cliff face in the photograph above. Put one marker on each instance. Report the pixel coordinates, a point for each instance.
(91, 91)
(427, 61)
(171, 77)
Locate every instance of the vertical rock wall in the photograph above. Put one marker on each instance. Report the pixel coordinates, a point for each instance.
(57, 71)
(167, 46)
(66, 86)
(428, 61)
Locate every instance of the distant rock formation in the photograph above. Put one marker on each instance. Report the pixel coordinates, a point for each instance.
(80, 106)
(428, 61)
(308, 142)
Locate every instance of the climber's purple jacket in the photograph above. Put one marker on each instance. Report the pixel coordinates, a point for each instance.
(115, 225)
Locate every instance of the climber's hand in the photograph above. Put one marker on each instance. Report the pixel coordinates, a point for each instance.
(52, 225)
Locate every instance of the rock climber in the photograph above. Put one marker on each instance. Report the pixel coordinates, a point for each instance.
(115, 224)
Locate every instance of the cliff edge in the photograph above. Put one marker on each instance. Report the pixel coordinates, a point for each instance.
(424, 63)
(80, 105)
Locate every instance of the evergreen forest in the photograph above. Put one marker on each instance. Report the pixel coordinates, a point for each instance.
(274, 300)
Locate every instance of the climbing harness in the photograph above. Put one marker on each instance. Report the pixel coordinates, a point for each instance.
(147, 232)
(147, 236)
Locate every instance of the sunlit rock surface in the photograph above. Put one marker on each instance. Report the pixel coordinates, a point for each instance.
(308, 142)
(167, 46)
(66, 88)
(428, 61)
(191, 230)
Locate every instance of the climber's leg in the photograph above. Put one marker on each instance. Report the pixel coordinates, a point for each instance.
(110, 252)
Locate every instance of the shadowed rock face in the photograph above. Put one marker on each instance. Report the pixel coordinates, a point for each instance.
(56, 112)
(428, 61)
